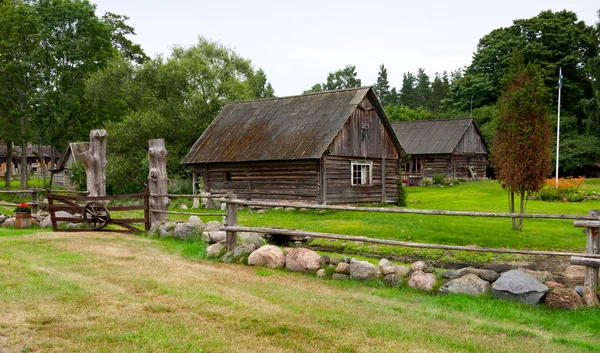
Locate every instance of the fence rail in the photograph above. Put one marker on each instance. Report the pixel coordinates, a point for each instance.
(35, 204)
(591, 222)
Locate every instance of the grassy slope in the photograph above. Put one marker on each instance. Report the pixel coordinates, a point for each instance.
(110, 293)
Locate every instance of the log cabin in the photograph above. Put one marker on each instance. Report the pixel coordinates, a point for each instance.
(326, 147)
(453, 148)
(33, 159)
(61, 175)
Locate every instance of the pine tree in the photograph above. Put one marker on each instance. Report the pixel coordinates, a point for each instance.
(407, 92)
(423, 90)
(382, 87)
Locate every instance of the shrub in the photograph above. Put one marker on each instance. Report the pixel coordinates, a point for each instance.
(567, 188)
(180, 187)
(437, 179)
(78, 177)
(549, 194)
(401, 195)
(577, 197)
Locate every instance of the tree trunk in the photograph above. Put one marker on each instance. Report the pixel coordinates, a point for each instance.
(511, 206)
(24, 167)
(9, 164)
(42, 163)
(94, 162)
(157, 181)
(521, 210)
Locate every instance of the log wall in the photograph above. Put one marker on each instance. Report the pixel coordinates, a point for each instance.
(456, 165)
(274, 180)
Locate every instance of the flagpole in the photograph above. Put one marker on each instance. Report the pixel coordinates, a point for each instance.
(558, 125)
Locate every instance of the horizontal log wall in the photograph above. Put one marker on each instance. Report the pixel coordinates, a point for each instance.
(456, 165)
(284, 180)
(341, 190)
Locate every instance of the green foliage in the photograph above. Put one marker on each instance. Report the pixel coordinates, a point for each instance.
(437, 179)
(182, 187)
(549, 194)
(340, 79)
(402, 195)
(404, 113)
(78, 176)
(382, 87)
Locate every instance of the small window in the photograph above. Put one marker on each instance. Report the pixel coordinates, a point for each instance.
(361, 173)
(227, 177)
(365, 132)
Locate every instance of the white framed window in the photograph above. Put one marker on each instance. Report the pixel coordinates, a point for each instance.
(361, 173)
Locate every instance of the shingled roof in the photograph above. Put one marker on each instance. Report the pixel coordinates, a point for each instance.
(286, 128)
(439, 136)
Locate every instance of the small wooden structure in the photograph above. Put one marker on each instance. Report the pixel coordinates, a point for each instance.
(61, 175)
(450, 147)
(327, 147)
(34, 160)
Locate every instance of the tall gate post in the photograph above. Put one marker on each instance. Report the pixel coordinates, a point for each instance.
(157, 181)
(94, 161)
(230, 221)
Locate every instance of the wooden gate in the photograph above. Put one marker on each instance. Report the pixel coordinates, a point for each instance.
(96, 214)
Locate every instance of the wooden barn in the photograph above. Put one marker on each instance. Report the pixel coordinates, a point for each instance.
(451, 147)
(328, 147)
(61, 175)
(33, 159)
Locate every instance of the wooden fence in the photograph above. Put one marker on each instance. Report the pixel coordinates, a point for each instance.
(591, 222)
(35, 194)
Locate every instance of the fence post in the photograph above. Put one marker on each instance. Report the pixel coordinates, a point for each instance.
(157, 181)
(35, 200)
(231, 220)
(592, 247)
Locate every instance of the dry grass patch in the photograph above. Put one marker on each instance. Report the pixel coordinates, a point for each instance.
(117, 293)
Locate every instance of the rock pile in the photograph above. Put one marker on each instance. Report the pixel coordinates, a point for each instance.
(41, 218)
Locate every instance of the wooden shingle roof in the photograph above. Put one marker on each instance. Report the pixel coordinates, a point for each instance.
(286, 128)
(439, 136)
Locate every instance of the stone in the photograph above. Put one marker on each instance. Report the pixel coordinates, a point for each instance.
(552, 285)
(277, 208)
(489, 275)
(196, 222)
(164, 231)
(72, 225)
(542, 276)
(388, 270)
(321, 273)
(212, 226)
(302, 260)
(63, 214)
(9, 222)
(184, 231)
(2, 218)
(403, 271)
(303, 209)
(422, 280)
(216, 236)
(238, 253)
(391, 280)
(183, 207)
(364, 270)
(347, 259)
(385, 263)
(340, 276)
(262, 210)
(469, 284)
(215, 251)
(290, 209)
(335, 260)
(46, 222)
(343, 267)
(418, 266)
(325, 260)
(452, 274)
(250, 238)
(170, 225)
(267, 256)
(519, 286)
(563, 298)
(39, 216)
(589, 297)
(579, 290)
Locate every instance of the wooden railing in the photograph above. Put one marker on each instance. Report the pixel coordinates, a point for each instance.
(35, 193)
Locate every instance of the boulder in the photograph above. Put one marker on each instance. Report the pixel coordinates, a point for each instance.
(364, 270)
(403, 271)
(73, 225)
(268, 256)
(489, 275)
(212, 226)
(183, 207)
(589, 297)
(196, 222)
(519, 286)
(552, 285)
(46, 222)
(422, 280)
(39, 216)
(9, 222)
(216, 236)
(388, 270)
(2, 218)
(238, 253)
(335, 260)
(215, 251)
(469, 284)
(418, 266)
(321, 273)
(184, 231)
(452, 274)
(63, 214)
(302, 260)
(343, 267)
(579, 290)
(165, 231)
(391, 280)
(262, 210)
(384, 263)
(542, 276)
(325, 260)
(250, 238)
(563, 298)
(340, 276)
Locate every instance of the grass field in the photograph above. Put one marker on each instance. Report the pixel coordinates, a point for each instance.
(91, 292)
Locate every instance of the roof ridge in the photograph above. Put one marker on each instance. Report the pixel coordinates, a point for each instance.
(424, 120)
(300, 95)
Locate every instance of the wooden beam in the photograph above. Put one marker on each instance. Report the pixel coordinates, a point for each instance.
(383, 196)
(585, 261)
(323, 165)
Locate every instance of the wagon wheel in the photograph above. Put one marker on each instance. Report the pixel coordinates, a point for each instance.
(96, 215)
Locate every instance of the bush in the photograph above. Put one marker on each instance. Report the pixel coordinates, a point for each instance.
(577, 197)
(78, 177)
(549, 194)
(182, 187)
(567, 188)
(401, 195)
(437, 179)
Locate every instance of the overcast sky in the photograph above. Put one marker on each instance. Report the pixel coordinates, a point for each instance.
(297, 43)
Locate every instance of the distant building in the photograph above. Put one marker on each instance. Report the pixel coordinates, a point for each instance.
(61, 175)
(327, 147)
(451, 147)
(33, 159)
